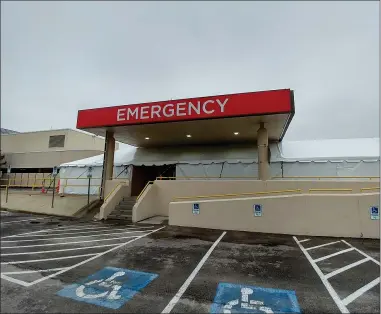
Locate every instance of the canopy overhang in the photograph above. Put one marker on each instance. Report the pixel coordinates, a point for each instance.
(231, 118)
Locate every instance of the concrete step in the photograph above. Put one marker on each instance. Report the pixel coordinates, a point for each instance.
(122, 212)
(120, 217)
(124, 207)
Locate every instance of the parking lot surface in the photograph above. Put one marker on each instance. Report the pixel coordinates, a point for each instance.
(61, 265)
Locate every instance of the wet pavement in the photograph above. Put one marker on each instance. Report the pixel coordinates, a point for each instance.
(62, 265)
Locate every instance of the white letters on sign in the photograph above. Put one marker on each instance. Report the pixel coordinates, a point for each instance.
(108, 283)
(180, 109)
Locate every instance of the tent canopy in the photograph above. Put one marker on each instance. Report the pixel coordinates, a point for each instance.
(286, 151)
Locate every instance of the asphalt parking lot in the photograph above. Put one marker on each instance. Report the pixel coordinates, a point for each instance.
(62, 265)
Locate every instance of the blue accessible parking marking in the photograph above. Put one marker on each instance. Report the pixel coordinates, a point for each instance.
(110, 287)
(233, 298)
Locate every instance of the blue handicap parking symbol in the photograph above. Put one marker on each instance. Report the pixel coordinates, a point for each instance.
(110, 287)
(233, 298)
(196, 208)
(375, 210)
(257, 210)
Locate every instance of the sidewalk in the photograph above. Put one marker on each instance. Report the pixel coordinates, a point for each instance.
(36, 202)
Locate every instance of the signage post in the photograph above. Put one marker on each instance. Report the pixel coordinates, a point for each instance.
(55, 171)
(89, 175)
(9, 170)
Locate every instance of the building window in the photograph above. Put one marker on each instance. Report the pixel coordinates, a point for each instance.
(56, 141)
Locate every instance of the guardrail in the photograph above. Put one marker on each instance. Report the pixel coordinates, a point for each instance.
(146, 186)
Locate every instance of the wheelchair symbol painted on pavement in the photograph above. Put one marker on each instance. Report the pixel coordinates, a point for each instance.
(111, 287)
(231, 298)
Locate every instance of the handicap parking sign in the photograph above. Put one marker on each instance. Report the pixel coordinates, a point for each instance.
(257, 210)
(196, 208)
(110, 287)
(374, 213)
(235, 298)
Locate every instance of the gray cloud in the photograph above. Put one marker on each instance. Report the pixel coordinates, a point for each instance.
(58, 57)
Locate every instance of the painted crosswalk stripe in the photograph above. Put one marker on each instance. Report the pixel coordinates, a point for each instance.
(332, 255)
(331, 291)
(361, 291)
(343, 269)
(322, 245)
(362, 253)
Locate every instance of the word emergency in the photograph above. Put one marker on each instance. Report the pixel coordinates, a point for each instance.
(190, 109)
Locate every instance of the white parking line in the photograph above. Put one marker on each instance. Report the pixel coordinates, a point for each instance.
(324, 280)
(80, 232)
(333, 254)
(361, 291)
(46, 259)
(362, 253)
(31, 271)
(321, 245)
(61, 250)
(86, 236)
(64, 243)
(305, 240)
(185, 285)
(47, 230)
(18, 221)
(92, 258)
(68, 228)
(342, 269)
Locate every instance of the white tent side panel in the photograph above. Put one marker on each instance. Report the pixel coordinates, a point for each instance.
(73, 180)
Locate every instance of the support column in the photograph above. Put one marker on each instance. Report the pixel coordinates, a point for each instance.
(263, 161)
(108, 160)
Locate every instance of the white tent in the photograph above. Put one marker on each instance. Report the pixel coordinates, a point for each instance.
(333, 157)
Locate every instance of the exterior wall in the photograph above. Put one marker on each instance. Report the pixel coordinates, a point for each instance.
(31, 149)
(46, 159)
(166, 191)
(314, 215)
(31, 141)
(78, 140)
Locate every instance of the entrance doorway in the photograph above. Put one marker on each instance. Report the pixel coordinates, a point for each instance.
(142, 174)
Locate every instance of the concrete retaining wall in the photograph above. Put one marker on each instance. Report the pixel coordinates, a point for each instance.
(156, 200)
(335, 215)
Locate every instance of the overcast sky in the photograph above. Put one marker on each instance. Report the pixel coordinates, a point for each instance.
(58, 57)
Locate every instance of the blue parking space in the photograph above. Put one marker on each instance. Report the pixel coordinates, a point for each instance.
(111, 287)
(235, 298)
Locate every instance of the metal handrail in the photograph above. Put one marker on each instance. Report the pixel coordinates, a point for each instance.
(256, 177)
(328, 190)
(112, 191)
(239, 194)
(268, 192)
(141, 193)
(370, 189)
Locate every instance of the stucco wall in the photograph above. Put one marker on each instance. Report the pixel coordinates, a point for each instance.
(39, 141)
(316, 215)
(46, 159)
(166, 191)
